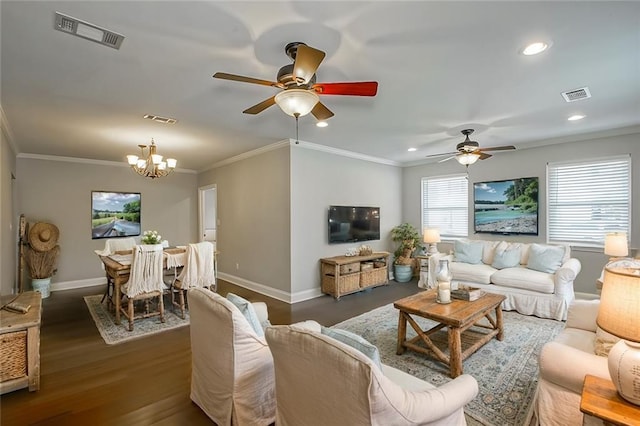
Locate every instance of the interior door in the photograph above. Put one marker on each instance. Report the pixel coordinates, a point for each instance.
(207, 201)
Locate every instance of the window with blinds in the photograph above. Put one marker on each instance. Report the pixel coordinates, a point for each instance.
(588, 199)
(445, 205)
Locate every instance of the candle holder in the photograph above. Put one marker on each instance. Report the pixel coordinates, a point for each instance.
(443, 277)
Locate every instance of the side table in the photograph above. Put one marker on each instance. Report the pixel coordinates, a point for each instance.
(600, 399)
(20, 345)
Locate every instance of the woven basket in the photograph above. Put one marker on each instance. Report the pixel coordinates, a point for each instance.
(13, 355)
(372, 277)
(349, 283)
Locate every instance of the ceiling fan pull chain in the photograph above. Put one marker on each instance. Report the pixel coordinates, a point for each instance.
(297, 115)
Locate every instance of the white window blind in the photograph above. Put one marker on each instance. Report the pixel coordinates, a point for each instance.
(445, 205)
(588, 199)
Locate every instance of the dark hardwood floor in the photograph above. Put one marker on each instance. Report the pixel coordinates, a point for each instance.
(84, 381)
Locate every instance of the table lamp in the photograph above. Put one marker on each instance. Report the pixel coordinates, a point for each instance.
(619, 314)
(615, 244)
(431, 236)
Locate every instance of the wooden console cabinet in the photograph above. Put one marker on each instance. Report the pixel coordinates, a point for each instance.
(20, 345)
(342, 275)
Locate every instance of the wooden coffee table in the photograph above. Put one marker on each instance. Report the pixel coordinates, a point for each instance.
(458, 316)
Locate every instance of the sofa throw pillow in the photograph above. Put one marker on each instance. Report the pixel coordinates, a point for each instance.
(356, 342)
(545, 258)
(604, 342)
(468, 251)
(248, 311)
(506, 256)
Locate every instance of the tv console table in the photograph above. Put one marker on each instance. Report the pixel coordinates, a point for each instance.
(342, 275)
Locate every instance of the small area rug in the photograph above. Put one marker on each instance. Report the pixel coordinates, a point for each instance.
(114, 334)
(506, 371)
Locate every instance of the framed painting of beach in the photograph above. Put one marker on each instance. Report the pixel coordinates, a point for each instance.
(115, 214)
(506, 206)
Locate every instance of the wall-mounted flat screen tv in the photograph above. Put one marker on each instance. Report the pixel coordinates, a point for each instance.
(348, 224)
(506, 206)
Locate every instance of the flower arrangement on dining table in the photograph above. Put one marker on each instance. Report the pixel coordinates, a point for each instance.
(151, 237)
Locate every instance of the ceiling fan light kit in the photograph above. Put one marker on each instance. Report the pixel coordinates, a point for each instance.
(150, 163)
(297, 101)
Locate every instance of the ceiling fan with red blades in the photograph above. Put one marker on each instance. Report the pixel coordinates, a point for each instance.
(468, 151)
(299, 94)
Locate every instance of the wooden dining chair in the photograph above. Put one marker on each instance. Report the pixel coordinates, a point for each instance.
(145, 282)
(199, 271)
(112, 246)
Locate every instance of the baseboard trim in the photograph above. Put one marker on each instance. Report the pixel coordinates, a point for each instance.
(283, 296)
(70, 285)
(586, 296)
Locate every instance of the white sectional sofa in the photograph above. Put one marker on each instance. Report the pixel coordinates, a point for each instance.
(537, 279)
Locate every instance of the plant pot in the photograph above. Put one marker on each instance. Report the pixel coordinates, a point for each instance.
(41, 285)
(402, 273)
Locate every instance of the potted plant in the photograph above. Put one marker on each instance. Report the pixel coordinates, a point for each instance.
(408, 239)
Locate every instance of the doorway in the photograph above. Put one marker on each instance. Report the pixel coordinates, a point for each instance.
(208, 218)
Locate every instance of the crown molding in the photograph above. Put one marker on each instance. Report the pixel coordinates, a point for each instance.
(248, 154)
(87, 161)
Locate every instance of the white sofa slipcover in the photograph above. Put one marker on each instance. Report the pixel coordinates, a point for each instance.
(321, 381)
(563, 363)
(527, 291)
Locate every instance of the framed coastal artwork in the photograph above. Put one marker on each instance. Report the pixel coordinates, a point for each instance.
(115, 214)
(506, 206)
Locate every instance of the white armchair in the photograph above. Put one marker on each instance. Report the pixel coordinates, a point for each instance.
(232, 377)
(564, 363)
(321, 381)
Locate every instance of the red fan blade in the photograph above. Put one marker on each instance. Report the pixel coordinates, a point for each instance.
(257, 108)
(243, 79)
(321, 112)
(307, 62)
(361, 88)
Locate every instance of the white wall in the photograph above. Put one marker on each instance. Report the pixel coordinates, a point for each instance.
(253, 214)
(8, 232)
(530, 163)
(320, 179)
(59, 192)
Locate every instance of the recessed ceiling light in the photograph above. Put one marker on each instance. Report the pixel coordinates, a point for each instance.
(412, 149)
(322, 124)
(535, 48)
(576, 117)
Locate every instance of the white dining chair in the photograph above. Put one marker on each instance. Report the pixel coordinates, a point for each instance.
(145, 282)
(198, 271)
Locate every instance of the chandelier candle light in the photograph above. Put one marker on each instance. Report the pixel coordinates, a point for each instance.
(153, 166)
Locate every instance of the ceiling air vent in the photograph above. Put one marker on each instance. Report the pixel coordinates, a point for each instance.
(165, 120)
(70, 25)
(576, 94)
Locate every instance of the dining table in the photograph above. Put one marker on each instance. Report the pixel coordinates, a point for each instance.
(118, 267)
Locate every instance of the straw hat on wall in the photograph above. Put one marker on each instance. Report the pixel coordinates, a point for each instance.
(43, 236)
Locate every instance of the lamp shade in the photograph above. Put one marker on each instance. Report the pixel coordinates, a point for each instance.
(297, 101)
(467, 158)
(619, 312)
(431, 235)
(615, 244)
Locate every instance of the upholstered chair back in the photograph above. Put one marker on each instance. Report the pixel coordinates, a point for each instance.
(232, 377)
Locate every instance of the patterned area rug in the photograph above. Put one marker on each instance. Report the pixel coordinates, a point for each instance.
(114, 334)
(506, 371)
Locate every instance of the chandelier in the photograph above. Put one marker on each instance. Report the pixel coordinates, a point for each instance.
(150, 164)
